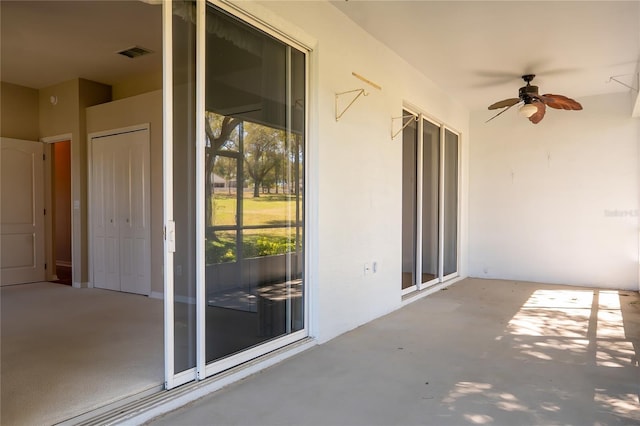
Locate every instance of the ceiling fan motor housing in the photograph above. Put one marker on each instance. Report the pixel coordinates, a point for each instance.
(527, 93)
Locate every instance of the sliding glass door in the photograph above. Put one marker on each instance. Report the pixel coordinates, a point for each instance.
(254, 192)
(429, 203)
(450, 205)
(237, 156)
(409, 201)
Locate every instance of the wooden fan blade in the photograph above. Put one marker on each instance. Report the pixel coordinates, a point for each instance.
(504, 110)
(505, 103)
(561, 102)
(536, 117)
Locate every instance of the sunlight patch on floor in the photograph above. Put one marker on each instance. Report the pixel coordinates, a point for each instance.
(555, 323)
(466, 388)
(545, 348)
(616, 354)
(563, 313)
(625, 405)
(610, 323)
(505, 401)
(478, 419)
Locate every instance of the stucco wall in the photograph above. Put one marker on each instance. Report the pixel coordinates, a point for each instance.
(557, 202)
(354, 193)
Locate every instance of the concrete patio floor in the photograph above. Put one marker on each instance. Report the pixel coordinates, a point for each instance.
(479, 352)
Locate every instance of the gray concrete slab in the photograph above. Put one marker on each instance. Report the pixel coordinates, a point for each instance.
(480, 352)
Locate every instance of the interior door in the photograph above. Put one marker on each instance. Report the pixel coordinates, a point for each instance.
(106, 268)
(22, 211)
(120, 212)
(133, 211)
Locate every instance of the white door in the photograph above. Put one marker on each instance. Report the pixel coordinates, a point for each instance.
(120, 212)
(134, 214)
(21, 211)
(105, 255)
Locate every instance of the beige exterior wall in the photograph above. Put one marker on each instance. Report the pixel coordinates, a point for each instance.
(145, 108)
(18, 112)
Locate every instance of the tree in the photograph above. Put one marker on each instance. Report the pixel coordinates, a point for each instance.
(261, 147)
(218, 129)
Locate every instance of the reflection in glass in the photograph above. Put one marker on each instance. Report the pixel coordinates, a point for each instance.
(254, 196)
(409, 191)
(430, 199)
(450, 203)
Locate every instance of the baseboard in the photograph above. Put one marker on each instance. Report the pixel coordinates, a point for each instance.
(81, 284)
(63, 263)
(156, 295)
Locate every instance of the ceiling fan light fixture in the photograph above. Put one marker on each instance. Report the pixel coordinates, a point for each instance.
(527, 110)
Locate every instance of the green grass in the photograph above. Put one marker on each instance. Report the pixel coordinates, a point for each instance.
(268, 209)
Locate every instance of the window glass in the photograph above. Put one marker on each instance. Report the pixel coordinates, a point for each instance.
(409, 205)
(450, 203)
(254, 195)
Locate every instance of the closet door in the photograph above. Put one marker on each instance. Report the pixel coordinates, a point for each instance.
(106, 267)
(133, 200)
(120, 212)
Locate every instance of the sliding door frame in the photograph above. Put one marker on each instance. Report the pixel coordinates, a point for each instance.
(440, 278)
(215, 367)
(203, 370)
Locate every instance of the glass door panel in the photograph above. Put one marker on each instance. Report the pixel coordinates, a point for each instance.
(254, 193)
(429, 203)
(183, 188)
(450, 199)
(430, 200)
(409, 201)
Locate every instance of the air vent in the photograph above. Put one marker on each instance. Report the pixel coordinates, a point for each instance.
(135, 52)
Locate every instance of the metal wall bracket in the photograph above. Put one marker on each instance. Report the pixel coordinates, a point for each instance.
(415, 118)
(360, 92)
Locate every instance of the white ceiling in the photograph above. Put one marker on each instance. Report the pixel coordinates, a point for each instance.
(477, 50)
(474, 50)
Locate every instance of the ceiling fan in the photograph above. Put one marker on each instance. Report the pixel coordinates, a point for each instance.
(534, 105)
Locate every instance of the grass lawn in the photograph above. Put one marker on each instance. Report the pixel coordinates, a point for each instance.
(268, 209)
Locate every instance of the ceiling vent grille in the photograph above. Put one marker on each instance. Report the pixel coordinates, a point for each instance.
(134, 52)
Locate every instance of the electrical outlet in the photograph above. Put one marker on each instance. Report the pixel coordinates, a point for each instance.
(374, 267)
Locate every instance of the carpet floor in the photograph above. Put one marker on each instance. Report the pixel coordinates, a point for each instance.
(66, 351)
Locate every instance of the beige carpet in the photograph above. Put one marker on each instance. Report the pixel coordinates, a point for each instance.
(66, 351)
